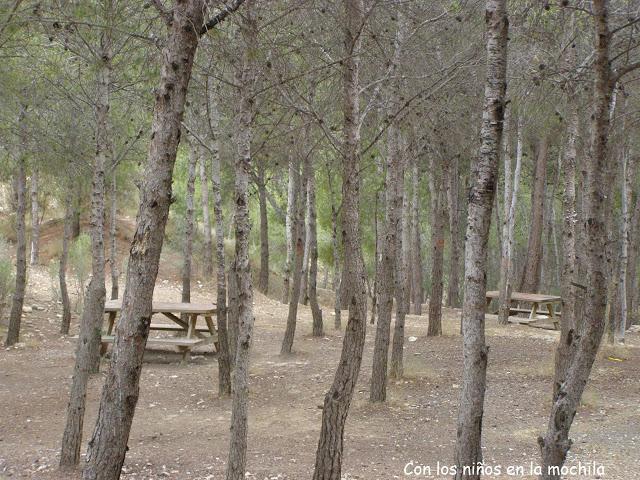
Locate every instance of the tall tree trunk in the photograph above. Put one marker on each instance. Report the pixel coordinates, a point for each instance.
(88, 346)
(236, 465)
(304, 279)
(328, 465)
(569, 233)
(336, 258)
(15, 317)
(113, 230)
(453, 198)
(263, 280)
(35, 218)
(391, 228)
(296, 275)
(485, 173)
(224, 357)
(511, 188)
(108, 446)
(556, 443)
(438, 216)
(417, 290)
(62, 268)
(316, 312)
(187, 246)
(396, 366)
(206, 216)
(628, 181)
(531, 271)
(289, 228)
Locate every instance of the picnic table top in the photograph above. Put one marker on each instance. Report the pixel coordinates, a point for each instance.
(527, 297)
(172, 307)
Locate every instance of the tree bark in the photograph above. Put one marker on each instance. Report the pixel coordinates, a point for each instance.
(15, 317)
(224, 358)
(417, 290)
(89, 340)
(481, 198)
(108, 446)
(453, 199)
(556, 443)
(187, 246)
(236, 465)
(62, 268)
(263, 281)
(531, 272)
(113, 230)
(35, 218)
(336, 258)
(511, 188)
(206, 216)
(402, 282)
(438, 216)
(316, 312)
(328, 465)
(289, 228)
(296, 275)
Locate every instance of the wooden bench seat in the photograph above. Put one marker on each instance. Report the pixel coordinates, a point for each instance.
(173, 341)
(166, 327)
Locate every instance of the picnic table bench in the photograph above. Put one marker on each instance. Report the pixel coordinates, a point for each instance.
(538, 302)
(194, 334)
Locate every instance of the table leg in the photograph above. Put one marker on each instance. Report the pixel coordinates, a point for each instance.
(212, 330)
(111, 322)
(552, 315)
(534, 311)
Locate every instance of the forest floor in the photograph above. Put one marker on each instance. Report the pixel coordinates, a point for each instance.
(181, 427)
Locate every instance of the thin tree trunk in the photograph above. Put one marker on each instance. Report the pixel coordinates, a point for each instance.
(206, 216)
(35, 218)
(15, 317)
(453, 288)
(289, 226)
(187, 246)
(556, 443)
(263, 281)
(391, 230)
(108, 446)
(416, 249)
(296, 276)
(531, 272)
(402, 283)
(438, 215)
(328, 465)
(62, 268)
(336, 259)
(88, 346)
(224, 357)
(628, 180)
(512, 186)
(316, 312)
(236, 465)
(304, 279)
(485, 172)
(113, 230)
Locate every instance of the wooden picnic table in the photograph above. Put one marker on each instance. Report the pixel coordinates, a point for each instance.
(194, 335)
(538, 302)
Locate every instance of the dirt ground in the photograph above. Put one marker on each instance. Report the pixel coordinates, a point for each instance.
(181, 427)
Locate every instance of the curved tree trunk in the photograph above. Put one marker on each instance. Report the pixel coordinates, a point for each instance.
(108, 446)
(328, 465)
(88, 347)
(62, 268)
(481, 198)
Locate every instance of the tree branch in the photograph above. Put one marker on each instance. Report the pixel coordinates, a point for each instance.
(221, 16)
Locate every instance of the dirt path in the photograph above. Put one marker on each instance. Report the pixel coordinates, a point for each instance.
(181, 427)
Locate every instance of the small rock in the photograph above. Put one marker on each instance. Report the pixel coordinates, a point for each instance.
(413, 339)
(27, 309)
